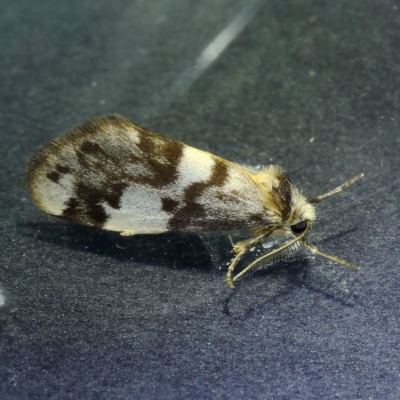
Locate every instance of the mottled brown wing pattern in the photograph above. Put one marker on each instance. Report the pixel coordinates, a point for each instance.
(113, 174)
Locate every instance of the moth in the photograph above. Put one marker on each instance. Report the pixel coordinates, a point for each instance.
(112, 174)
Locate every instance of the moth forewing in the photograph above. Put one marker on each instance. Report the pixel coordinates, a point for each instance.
(115, 175)
(112, 174)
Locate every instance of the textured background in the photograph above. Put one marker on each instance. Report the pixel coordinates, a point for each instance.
(312, 85)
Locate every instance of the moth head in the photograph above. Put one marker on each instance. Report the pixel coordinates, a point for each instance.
(285, 203)
(300, 216)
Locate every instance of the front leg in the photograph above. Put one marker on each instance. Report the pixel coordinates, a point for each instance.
(240, 249)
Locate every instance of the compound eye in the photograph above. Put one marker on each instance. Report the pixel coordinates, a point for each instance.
(299, 227)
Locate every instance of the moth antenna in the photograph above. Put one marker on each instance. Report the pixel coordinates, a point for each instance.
(314, 250)
(281, 253)
(340, 188)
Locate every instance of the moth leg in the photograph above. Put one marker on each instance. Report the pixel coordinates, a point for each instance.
(282, 252)
(345, 185)
(264, 257)
(240, 249)
(231, 268)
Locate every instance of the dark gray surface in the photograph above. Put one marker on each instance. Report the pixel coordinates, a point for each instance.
(311, 85)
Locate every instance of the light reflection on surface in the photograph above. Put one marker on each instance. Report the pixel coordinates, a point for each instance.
(215, 48)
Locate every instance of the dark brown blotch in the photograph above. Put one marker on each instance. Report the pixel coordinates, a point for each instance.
(219, 174)
(53, 176)
(168, 204)
(160, 156)
(283, 196)
(114, 193)
(63, 169)
(87, 207)
(78, 211)
(193, 216)
(146, 142)
(90, 148)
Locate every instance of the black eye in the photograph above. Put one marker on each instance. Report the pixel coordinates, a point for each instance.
(299, 228)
